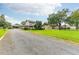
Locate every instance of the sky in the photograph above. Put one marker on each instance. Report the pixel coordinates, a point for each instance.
(17, 12)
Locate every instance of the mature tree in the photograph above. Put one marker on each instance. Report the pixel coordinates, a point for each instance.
(38, 25)
(53, 19)
(74, 18)
(23, 22)
(8, 25)
(62, 15)
(57, 18)
(2, 17)
(3, 23)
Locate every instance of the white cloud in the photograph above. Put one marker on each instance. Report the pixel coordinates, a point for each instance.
(39, 1)
(34, 9)
(30, 1)
(31, 9)
(11, 20)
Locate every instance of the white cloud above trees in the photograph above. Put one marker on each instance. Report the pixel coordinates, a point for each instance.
(31, 9)
(34, 9)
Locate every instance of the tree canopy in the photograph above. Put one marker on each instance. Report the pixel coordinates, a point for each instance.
(4, 23)
(57, 18)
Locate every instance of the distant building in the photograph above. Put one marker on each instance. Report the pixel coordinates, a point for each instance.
(29, 24)
(46, 26)
(66, 25)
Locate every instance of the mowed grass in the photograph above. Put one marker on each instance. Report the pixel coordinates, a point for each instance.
(2, 32)
(69, 35)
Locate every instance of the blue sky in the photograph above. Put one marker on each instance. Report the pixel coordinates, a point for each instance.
(17, 12)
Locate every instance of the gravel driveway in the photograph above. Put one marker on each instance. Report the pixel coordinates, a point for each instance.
(18, 42)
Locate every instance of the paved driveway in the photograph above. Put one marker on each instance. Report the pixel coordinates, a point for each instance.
(18, 42)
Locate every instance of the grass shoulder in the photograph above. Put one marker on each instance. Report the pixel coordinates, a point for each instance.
(69, 35)
(2, 32)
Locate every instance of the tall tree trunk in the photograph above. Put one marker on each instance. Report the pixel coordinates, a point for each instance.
(59, 25)
(76, 25)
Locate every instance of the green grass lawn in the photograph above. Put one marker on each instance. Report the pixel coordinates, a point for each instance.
(2, 32)
(69, 35)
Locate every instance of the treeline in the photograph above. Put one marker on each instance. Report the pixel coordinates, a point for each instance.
(56, 19)
(66, 16)
(3, 23)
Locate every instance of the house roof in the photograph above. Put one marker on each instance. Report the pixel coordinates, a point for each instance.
(30, 21)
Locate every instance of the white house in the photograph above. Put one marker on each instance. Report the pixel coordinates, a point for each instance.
(66, 25)
(63, 25)
(30, 24)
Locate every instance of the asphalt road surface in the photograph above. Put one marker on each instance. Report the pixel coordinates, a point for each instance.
(18, 42)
